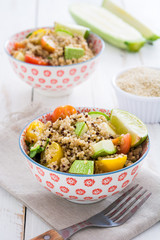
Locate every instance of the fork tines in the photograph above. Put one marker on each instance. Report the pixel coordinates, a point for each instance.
(126, 205)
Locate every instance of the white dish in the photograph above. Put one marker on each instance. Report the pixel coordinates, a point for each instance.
(145, 108)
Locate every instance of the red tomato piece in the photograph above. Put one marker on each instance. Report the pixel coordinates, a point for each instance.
(62, 112)
(124, 142)
(18, 45)
(35, 60)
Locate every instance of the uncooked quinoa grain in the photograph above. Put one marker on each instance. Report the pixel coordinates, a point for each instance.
(140, 81)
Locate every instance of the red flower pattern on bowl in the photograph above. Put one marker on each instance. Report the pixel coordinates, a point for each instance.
(89, 182)
(64, 189)
(40, 171)
(122, 176)
(71, 181)
(106, 181)
(54, 177)
(80, 191)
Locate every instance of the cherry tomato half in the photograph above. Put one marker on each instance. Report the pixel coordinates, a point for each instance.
(62, 112)
(124, 142)
(48, 44)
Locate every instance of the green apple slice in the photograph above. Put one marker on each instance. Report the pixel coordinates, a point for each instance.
(97, 114)
(73, 52)
(127, 17)
(81, 128)
(107, 25)
(125, 122)
(72, 29)
(82, 167)
(103, 148)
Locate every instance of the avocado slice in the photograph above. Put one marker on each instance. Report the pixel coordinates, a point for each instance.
(103, 148)
(81, 128)
(97, 114)
(82, 167)
(73, 52)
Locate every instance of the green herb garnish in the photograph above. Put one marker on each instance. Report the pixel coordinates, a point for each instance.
(27, 143)
(29, 35)
(37, 149)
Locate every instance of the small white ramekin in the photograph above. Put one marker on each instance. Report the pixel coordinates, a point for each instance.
(145, 108)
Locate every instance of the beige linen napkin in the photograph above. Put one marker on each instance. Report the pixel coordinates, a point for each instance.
(16, 178)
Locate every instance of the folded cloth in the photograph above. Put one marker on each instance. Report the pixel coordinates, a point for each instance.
(16, 178)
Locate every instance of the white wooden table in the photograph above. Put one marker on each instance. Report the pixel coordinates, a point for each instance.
(16, 221)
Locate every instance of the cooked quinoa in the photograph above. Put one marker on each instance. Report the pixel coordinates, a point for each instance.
(76, 147)
(32, 47)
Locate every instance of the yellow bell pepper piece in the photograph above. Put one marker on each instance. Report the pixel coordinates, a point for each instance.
(34, 131)
(39, 33)
(53, 153)
(110, 164)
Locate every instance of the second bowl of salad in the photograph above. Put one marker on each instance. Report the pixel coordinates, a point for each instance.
(85, 154)
(54, 59)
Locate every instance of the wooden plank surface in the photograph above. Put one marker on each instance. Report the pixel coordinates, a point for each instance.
(97, 91)
(12, 216)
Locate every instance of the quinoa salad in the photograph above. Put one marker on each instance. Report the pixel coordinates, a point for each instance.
(58, 46)
(81, 143)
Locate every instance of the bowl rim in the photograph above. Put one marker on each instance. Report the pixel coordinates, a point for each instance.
(73, 174)
(44, 66)
(130, 95)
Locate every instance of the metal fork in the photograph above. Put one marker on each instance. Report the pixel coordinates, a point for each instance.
(114, 215)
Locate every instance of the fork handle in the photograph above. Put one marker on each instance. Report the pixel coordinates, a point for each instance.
(66, 232)
(49, 235)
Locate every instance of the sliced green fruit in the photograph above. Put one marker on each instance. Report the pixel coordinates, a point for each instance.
(81, 128)
(63, 33)
(110, 164)
(107, 128)
(82, 167)
(127, 17)
(97, 114)
(73, 52)
(107, 25)
(126, 122)
(72, 29)
(103, 148)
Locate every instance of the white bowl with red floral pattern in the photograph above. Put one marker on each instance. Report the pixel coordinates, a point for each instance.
(77, 188)
(54, 80)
